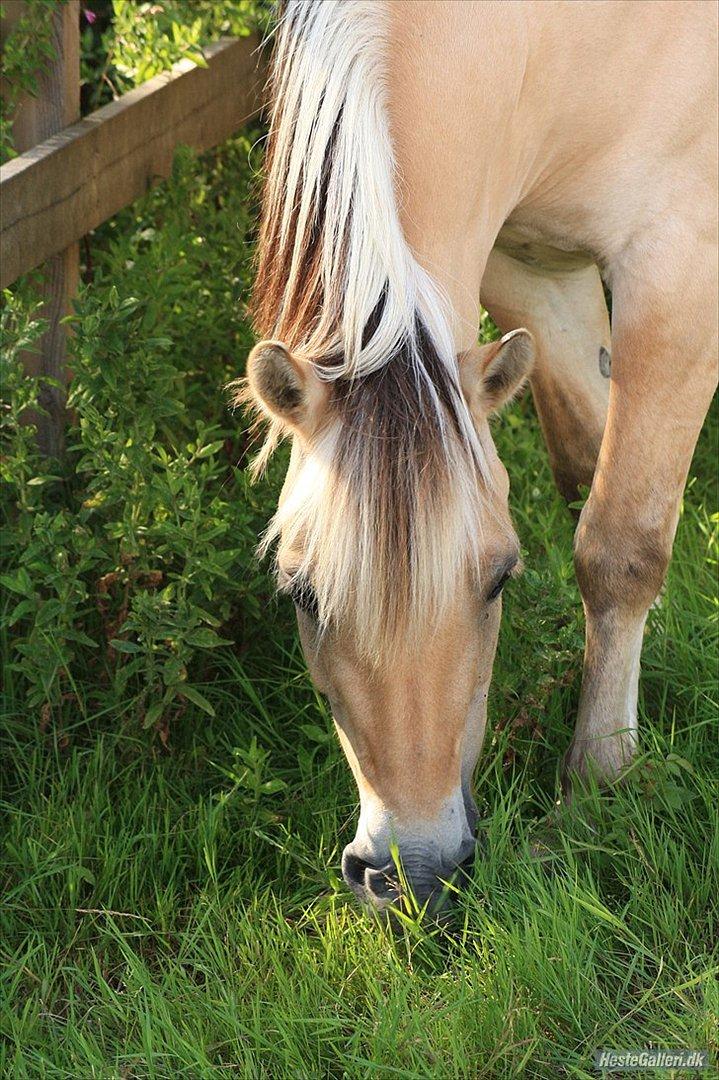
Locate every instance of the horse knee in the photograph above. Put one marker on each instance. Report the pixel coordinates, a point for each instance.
(619, 564)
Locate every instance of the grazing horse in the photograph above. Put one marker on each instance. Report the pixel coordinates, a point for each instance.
(423, 154)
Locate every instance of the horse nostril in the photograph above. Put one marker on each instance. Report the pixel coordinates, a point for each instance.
(365, 880)
(353, 870)
(379, 885)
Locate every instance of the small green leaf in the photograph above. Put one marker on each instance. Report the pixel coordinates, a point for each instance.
(196, 698)
(38, 481)
(315, 733)
(196, 58)
(23, 608)
(153, 714)
(125, 646)
(20, 583)
(210, 449)
(81, 638)
(681, 762)
(270, 787)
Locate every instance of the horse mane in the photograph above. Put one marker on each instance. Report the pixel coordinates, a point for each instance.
(383, 513)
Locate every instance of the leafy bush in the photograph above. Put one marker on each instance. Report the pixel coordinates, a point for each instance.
(125, 42)
(126, 566)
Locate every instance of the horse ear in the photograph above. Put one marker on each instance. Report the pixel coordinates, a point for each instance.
(278, 384)
(492, 374)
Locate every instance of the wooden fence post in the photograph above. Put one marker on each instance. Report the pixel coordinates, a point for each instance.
(56, 106)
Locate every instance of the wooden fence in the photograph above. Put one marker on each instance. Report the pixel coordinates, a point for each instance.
(71, 175)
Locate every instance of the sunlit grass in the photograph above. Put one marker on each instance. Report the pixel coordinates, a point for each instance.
(180, 913)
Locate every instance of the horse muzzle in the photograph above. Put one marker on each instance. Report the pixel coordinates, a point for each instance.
(421, 882)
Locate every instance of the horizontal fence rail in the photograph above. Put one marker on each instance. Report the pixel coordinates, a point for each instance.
(69, 184)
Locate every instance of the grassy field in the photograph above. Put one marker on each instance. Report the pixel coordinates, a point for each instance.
(179, 912)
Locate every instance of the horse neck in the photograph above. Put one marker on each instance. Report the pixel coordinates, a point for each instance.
(457, 145)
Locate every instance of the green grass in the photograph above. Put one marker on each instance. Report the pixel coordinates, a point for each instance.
(179, 913)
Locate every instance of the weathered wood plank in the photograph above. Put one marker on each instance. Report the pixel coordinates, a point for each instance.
(69, 184)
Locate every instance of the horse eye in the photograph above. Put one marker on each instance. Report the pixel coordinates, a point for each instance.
(499, 586)
(304, 597)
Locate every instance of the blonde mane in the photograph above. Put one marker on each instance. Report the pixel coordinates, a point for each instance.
(384, 511)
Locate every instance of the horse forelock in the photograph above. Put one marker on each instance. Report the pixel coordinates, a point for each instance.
(384, 511)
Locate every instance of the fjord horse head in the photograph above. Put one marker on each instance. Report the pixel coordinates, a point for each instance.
(392, 534)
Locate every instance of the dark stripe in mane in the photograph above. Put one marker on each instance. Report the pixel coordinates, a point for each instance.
(272, 289)
(391, 451)
(388, 520)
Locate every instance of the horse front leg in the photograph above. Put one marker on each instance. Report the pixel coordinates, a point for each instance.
(664, 372)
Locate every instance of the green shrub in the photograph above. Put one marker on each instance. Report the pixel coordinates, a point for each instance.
(126, 567)
(127, 42)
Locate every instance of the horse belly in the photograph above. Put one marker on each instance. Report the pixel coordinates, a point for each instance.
(542, 249)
